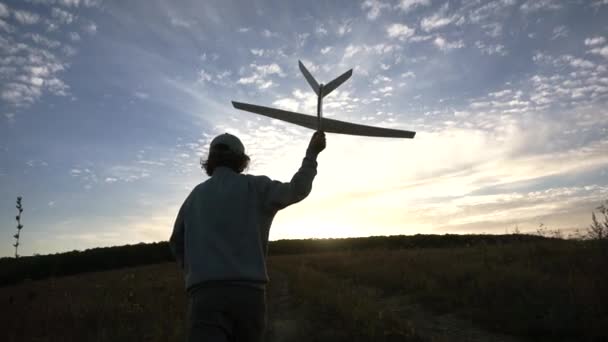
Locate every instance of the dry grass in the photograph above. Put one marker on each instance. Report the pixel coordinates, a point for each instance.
(141, 304)
(547, 290)
(542, 291)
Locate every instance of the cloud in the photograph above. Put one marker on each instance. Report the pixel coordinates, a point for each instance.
(301, 39)
(257, 52)
(437, 20)
(593, 41)
(64, 17)
(489, 11)
(287, 103)
(601, 51)
(4, 26)
(4, 13)
(92, 3)
(378, 49)
(25, 17)
(351, 50)
(90, 28)
(531, 143)
(399, 31)
(444, 45)
(599, 3)
(218, 78)
(74, 36)
(36, 163)
(408, 5)
(69, 3)
(269, 34)
(531, 6)
(126, 173)
(344, 28)
(384, 91)
(563, 60)
(321, 30)
(203, 76)
(492, 49)
(374, 8)
(176, 21)
(260, 75)
(31, 63)
(10, 117)
(141, 95)
(560, 32)
(41, 40)
(578, 62)
(481, 185)
(493, 30)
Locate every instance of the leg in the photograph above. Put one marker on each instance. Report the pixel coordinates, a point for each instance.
(207, 319)
(250, 313)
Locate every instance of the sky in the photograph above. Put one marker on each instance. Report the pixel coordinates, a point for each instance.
(107, 106)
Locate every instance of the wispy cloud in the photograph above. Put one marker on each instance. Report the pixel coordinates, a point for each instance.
(33, 67)
(408, 5)
(260, 75)
(25, 17)
(593, 41)
(62, 16)
(492, 49)
(4, 13)
(400, 31)
(437, 20)
(374, 8)
(445, 45)
(531, 6)
(511, 127)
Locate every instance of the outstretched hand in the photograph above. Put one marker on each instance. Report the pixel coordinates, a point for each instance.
(317, 142)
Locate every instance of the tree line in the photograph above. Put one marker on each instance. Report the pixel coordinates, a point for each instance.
(106, 258)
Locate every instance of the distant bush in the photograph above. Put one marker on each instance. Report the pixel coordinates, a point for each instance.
(598, 230)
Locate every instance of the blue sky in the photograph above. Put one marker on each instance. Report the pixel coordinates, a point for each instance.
(107, 106)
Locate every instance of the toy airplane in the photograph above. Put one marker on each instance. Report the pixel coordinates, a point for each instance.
(319, 122)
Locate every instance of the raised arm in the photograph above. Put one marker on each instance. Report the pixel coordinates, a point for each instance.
(278, 195)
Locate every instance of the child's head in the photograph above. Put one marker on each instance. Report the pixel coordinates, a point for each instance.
(226, 150)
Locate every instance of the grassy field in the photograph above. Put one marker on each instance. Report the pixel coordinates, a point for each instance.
(541, 291)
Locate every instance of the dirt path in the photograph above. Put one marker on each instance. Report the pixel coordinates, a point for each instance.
(439, 328)
(286, 321)
(282, 317)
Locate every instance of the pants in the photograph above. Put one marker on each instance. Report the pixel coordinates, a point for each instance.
(226, 313)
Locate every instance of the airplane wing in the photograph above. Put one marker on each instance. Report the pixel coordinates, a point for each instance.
(329, 125)
(311, 80)
(329, 87)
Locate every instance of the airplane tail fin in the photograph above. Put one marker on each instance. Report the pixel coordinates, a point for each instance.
(311, 80)
(329, 87)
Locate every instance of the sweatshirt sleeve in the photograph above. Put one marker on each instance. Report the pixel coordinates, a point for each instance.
(176, 242)
(278, 195)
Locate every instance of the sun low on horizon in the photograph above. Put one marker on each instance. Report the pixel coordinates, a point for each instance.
(107, 107)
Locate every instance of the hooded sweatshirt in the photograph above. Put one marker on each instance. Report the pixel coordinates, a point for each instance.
(221, 230)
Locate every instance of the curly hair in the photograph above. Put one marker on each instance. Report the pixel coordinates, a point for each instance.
(220, 155)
